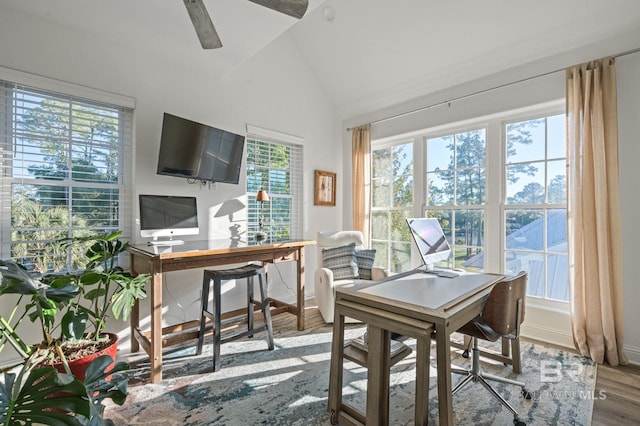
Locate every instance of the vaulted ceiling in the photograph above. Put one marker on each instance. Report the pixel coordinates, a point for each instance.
(365, 53)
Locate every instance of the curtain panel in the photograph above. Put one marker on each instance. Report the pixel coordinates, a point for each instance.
(361, 179)
(594, 234)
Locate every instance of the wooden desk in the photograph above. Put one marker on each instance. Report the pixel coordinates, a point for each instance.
(447, 303)
(155, 260)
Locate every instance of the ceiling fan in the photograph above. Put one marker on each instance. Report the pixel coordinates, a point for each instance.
(206, 31)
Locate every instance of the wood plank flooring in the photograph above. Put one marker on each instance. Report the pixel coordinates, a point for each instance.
(620, 388)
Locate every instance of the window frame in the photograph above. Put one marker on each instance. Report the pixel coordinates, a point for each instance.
(294, 197)
(495, 198)
(72, 94)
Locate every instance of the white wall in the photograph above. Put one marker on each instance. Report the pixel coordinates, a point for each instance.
(550, 325)
(273, 90)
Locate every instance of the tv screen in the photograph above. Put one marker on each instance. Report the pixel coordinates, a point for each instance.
(196, 151)
(167, 216)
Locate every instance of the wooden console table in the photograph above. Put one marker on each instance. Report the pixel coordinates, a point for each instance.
(155, 260)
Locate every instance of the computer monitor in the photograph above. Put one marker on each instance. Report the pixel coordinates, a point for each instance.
(430, 240)
(167, 216)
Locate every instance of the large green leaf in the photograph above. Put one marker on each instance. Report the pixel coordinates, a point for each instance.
(43, 396)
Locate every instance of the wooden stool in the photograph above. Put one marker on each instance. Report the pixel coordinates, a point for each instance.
(217, 276)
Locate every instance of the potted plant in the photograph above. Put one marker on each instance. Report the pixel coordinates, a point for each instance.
(73, 305)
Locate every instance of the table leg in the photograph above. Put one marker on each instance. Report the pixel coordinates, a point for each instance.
(443, 358)
(336, 369)
(300, 289)
(155, 356)
(423, 345)
(378, 370)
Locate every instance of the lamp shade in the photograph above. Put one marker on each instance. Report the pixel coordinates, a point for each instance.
(262, 195)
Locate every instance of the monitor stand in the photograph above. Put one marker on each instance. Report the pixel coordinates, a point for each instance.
(165, 242)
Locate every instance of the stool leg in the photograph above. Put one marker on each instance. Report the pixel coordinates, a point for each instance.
(250, 306)
(217, 284)
(266, 309)
(204, 306)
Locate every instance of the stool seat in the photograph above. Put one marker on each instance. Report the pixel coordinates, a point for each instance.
(216, 277)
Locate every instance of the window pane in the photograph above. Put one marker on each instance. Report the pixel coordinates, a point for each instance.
(556, 136)
(526, 141)
(440, 188)
(557, 231)
(382, 254)
(400, 257)
(469, 229)
(557, 184)
(380, 225)
(470, 149)
(403, 190)
(533, 264)
(381, 164)
(399, 229)
(470, 187)
(381, 189)
(525, 187)
(525, 229)
(439, 153)
(558, 277)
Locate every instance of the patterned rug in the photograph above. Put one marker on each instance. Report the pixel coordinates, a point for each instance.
(289, 386)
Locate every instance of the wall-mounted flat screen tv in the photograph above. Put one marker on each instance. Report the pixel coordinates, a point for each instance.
(196, 151)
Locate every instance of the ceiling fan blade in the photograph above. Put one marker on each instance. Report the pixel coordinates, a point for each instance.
(295, 8)
(202, 23)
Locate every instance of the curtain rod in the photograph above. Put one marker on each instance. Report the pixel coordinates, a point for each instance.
(470, 95)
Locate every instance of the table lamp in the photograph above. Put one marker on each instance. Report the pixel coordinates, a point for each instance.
(261, 197)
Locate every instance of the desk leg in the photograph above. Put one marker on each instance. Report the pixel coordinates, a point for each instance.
(378, 370)
(156, 328)
(443, 358)
(300, 289)
(336, 369)
(134, 319)
(423, 346)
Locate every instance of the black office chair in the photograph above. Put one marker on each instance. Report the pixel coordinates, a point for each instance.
(501, 316)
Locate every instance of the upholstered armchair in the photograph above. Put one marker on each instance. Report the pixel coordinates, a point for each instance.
(342, 261)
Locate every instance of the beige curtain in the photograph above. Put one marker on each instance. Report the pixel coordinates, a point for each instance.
(594, 236)
(361, 179)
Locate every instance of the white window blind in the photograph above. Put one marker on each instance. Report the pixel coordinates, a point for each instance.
(274, 165)
(64, 171)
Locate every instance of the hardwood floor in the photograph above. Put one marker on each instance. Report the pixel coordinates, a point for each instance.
(620, 404)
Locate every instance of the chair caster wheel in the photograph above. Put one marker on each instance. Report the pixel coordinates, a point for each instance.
(526, 394)
(518, 422)
(465, 354)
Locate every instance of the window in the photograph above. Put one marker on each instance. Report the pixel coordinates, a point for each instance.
(518, 205)
(63, 173)
(275, 167)
(535, 212)
(455, 193)
(392, 202)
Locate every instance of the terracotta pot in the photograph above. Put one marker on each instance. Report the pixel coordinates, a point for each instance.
(79, 366)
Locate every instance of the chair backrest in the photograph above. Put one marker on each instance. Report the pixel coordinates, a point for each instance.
(500, 311)
(328, 239)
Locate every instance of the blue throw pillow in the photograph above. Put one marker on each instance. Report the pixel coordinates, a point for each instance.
(341, 260)
(365, 259)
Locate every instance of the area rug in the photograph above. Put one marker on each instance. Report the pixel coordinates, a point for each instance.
(289, 386)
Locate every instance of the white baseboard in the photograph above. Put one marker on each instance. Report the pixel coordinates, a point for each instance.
(548, 335)
(633, 353)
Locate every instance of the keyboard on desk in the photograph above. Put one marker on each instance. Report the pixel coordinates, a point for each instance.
(446, 274)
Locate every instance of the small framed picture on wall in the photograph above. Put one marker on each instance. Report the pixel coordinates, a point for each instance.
(325, 188)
